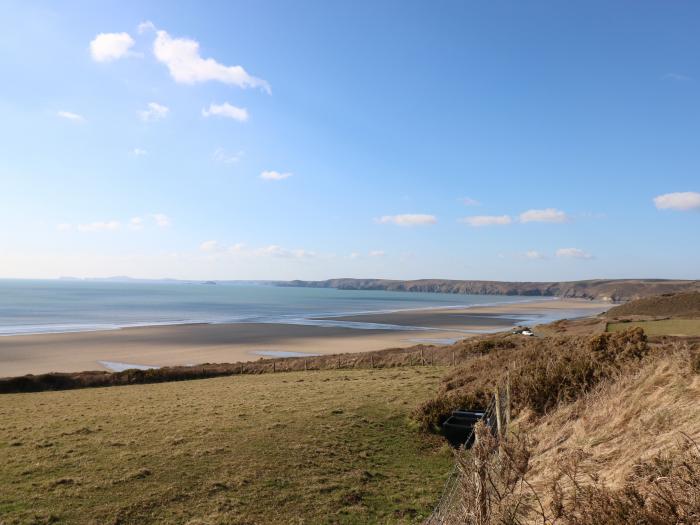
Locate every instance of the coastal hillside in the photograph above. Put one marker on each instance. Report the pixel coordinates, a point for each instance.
(605, 430)
(615, 290)
(686, 305)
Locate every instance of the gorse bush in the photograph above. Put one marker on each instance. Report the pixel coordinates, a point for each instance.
(543, 372)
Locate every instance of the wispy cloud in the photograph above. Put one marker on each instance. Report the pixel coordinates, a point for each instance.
(468, 201)
(222, 156)
(99, 226)
(161, 220)
(154, 112)
(679, 201)
(186, 66)
(226, 110)
(478, 221)
(210, 246)
(136, 223)
(106, 47)
(546, 215)
(68, 115)
(274, 175)
(534, 255)
(677, 77)
(377, 253)
(573, 253)
(408, 219)
(138, 152)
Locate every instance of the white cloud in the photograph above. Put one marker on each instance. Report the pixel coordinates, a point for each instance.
(573, 253)
(680, 201)
(236, 248)
(186, 66)
(64, 227)
(226, 110)
(138, 152)
(467, 201)
(534, 255)
(408, 219)
(136, 223)
(210, 246)
(274, 175)
(220, 155)
(106, 47)
(71, 116)
(546, 215)
(478, 221)
(154, 112)
(377, 253)
(99, 226)
(161, 219)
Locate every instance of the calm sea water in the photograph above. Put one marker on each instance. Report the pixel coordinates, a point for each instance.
(34, 306)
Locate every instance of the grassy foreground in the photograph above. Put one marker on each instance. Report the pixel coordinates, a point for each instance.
(298, 447)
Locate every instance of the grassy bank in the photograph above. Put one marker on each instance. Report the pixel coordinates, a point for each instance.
(299, 447)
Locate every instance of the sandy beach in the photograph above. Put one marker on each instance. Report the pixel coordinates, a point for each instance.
(201, 343)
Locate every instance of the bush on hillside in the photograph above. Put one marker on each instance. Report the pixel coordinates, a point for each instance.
(543, 372)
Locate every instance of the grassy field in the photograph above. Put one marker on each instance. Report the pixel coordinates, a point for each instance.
(686, 327)
(299, 447)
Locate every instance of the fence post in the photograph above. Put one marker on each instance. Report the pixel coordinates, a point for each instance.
(507, 399)
(498, 411)
(274, 367)
(338, 361)
(306, 365)
(453, 358)
(371, 360)
(422, 358)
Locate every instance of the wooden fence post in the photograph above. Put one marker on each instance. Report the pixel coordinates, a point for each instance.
(498, 411)
(306, 365)
(507, 399)
(338, 361)
(274, 367)
(422, 358)
(453, 358)
(371, 360)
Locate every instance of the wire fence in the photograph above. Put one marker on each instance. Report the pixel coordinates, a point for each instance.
(452, 491)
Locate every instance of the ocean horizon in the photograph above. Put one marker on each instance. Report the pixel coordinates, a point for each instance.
(58, 306)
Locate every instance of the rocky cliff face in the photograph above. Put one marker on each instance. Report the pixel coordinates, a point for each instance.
(614, 290)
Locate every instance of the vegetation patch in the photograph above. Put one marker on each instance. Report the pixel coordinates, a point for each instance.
(332, 446)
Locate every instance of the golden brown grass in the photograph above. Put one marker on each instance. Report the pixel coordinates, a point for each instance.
(297, 447)
(624, 451)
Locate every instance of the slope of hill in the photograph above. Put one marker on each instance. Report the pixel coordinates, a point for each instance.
(616, 290)
(685, 305)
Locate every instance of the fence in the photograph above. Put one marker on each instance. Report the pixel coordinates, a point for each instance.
(450, 508)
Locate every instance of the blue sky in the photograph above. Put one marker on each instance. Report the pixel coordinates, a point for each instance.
(279, 140)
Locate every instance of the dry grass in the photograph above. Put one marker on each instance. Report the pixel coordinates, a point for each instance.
(625, 451)
(298, 447)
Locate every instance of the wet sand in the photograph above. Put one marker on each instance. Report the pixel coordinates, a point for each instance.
(201, 343)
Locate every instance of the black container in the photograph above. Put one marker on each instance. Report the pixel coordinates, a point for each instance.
(458, 427)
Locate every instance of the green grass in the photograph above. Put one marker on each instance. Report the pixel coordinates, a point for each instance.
(301, 447)
(685, 327)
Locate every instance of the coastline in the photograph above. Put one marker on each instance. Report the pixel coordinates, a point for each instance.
(186, 344)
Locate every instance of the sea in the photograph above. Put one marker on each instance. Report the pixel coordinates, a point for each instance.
(56, 306)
